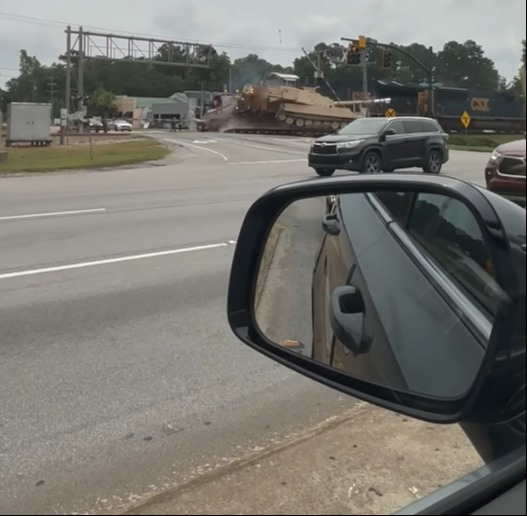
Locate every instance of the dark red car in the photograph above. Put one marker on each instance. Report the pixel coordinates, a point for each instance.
(505, 171)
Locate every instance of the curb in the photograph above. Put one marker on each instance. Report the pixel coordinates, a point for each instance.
(267, 258)
(321, 428)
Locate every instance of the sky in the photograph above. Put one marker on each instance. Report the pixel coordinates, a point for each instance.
(276, 30)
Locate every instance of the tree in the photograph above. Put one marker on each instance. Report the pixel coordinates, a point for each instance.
(102, 102)
(407, 70)
(465, 65)
(457, 64)
(251, 69)
(214, 78)
(518, 84)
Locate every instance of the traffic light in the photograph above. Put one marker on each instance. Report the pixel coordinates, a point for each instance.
(354, 55)
(386, 59)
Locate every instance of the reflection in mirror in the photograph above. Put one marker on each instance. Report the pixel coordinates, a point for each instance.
(396, 288)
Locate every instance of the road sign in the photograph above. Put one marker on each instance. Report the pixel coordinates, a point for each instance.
(390, 113)
(362, 41)
(465, 120)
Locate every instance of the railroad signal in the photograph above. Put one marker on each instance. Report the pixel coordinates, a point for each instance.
(386, 61)
(354, 57)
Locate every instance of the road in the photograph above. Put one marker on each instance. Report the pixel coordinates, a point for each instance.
(120, 377)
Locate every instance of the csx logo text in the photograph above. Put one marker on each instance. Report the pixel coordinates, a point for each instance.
(479, 104)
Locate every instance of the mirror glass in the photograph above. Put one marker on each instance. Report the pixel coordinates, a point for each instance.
(396, 288)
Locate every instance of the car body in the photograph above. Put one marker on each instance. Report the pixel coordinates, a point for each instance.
(370, 145)
(428, 240)
(120, 125)
(95, 124)
(505, 171)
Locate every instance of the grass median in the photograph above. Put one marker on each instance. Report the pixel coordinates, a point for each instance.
(37, 159)
(480, 142)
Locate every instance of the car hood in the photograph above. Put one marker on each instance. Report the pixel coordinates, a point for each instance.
(336, 138)
(515, 148)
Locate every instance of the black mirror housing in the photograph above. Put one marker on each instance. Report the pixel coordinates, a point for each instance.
(496, 368)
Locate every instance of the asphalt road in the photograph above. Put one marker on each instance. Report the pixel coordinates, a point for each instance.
(119, 375)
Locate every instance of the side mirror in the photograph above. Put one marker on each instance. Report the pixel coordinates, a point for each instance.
(388, 132)
(409, 295)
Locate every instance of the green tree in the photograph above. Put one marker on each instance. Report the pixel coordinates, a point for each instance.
(465, 65)
(407, 70)
(251, 69)
(102, 102)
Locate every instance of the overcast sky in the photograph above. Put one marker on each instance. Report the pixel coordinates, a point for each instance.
(281, 26)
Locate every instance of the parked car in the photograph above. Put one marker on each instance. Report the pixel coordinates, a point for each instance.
(505, 171)
(95, 124)
(120, 125)
(372, 145)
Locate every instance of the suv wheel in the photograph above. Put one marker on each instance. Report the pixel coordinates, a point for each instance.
(371, 163)
(433, 162)
(325, 172)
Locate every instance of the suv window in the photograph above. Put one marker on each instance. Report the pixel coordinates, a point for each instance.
(413, 126)
(397, 126)
(447, 229)
(429, 127)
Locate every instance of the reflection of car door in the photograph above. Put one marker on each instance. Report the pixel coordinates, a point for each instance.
(331, 269)
(395, 145)
(415, 143)
(378, 362)
(417, 330)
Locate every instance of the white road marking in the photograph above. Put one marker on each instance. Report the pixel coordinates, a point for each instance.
(183, 143)
(269, 162)
(107, 261)
(283, 151)
(204, 142)
(294, 140)
(52, 214)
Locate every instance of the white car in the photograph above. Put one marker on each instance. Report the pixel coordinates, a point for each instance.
(121, 125)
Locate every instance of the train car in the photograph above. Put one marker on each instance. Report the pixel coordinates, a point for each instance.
(488, 110)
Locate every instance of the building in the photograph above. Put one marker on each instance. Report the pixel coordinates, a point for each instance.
(153, 110)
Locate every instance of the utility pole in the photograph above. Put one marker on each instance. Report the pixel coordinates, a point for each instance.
(81, 70)
(51, 89)
(81, 78)
(319, 74)
(68, 69)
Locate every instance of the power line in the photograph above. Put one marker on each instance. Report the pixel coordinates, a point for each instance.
(43, 21)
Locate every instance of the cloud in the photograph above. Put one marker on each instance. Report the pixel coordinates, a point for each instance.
(498, 26)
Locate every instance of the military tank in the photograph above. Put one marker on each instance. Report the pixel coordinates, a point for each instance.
(279, 106)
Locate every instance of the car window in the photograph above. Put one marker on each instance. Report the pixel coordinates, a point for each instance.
(429, 127)
(448, 230)
(413, 126)
(397, 126)
(397, 204)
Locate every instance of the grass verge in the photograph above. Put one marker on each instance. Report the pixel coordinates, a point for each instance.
(35, 159)
(480, 142)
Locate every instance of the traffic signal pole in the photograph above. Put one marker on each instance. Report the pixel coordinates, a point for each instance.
(364, 65)
(426, 69)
